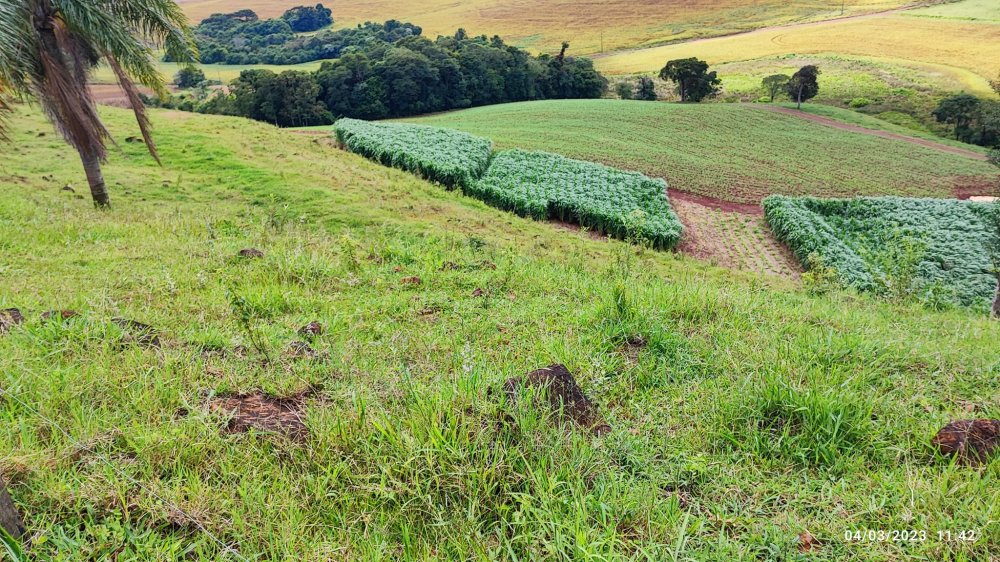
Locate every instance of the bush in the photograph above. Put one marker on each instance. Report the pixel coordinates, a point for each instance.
(931, 249)
(449, 157)
(859, 102)
(540, 185)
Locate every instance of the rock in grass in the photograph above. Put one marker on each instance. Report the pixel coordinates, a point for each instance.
(59, 315)
(263, 412)
(564, 395)
(311, 330)
(972, 441)
(9, 318)
(251, 253)
(137, 333)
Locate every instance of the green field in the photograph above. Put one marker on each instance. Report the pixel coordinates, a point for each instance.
(224, 73)
(744, 412)
(735, 152)
(902, 94)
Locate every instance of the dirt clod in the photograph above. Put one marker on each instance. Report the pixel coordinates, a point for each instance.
(9, 318)
(59, 315)
(411, 280)
(807, 542)
(972, 441)
(251, 253)
(262, 412)
(137, 333)
(478, 292)
(564, 395)
(311, 329)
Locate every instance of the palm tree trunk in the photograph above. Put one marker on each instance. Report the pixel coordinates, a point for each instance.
(98, 189)
(10, 519)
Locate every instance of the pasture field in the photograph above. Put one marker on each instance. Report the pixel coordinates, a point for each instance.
(968, 50)
(934, 248)
(904, 95)
(987, 10)
(542, 25)
(734, 152)
(749, 419)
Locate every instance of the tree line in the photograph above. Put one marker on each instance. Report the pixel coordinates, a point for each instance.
(410, 76)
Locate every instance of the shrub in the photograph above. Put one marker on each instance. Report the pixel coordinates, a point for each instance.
(449, 157)
(893, 246)
(859, 102)
(541, 185)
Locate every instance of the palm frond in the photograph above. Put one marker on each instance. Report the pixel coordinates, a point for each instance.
(138, 108)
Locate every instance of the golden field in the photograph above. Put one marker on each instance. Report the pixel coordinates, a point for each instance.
(589, 26)
(967, 49)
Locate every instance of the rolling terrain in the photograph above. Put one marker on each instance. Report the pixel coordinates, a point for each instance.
(592, 26)
(749, 419)
(731, 152)
(967, 49)
(721, 160)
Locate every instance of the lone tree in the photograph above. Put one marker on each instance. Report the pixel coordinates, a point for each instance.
(48, 48)
(804, 84)
(694, 81)
(774, 84)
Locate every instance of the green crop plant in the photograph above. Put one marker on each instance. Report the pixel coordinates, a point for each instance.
(866, 240)
(449, 157)
(540, 185)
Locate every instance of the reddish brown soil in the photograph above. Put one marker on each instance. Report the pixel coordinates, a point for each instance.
(263, 412)
(873, 132)
(972, 441)
(564, 395)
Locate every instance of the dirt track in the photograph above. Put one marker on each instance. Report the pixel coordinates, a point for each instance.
(874, 132)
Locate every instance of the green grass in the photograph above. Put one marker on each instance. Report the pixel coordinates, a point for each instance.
(735, 152)
(987, 10)
(904, 94)
(755, 411)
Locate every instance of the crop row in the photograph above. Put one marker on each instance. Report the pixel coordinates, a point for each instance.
(850, 235)
(449, 157)
(543, 185)
(536, 184)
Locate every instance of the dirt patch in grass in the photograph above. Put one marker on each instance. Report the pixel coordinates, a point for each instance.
(263, 412)
(972, 441)
(251, 253)
(9, 318)
(137, 333)
(557, 384)
(59, 315)
(976, 187)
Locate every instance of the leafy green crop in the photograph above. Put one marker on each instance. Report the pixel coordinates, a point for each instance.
(854, 236)
(449, 157)
(615, 202)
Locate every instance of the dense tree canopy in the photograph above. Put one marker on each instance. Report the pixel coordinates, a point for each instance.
(305, 18)
(804, 84)
(694, 81)
(975, 120)
(412, 75)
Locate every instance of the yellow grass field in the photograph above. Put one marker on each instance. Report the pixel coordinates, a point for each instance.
(970, 50)
(541, 25)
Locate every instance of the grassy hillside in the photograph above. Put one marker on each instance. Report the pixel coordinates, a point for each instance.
(738, 153)
(743, 414)
(968, 50)
(543, 24)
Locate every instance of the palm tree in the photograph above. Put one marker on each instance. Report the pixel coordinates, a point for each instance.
(48, 48)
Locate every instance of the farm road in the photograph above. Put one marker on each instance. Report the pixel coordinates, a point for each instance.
(874, 132)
